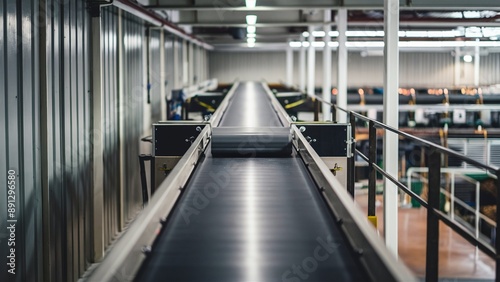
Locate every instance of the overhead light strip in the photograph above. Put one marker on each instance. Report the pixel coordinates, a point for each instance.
(471, 32)
(402, 44)
(250, 3)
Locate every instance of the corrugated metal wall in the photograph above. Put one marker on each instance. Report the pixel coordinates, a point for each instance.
(68, 164)
(423, 69)
(111, 118)
(46, 129)
(133, 93)
(19, 139)
(490, 69)
(155, 74)
(169, 64)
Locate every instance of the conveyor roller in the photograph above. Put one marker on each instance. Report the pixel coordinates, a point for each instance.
(251, 142)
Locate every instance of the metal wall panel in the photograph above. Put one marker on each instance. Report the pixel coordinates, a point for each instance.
(489, 71)
(68, 138)
(426, 69)
(169, 64)
(133, 38)
(155, 74)
(20, 139)
(417, 69)
(111, 134)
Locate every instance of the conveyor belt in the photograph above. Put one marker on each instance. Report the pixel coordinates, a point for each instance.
(251, 219)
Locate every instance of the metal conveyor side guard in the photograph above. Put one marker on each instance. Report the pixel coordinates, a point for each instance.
(374, 256)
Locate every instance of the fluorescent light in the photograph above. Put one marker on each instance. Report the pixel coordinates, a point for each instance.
(365, 44)
(333, 33)
(250, 3)
(251, 40)
(251, 29)
(467, 58)
(318, 33)
(249, 35)
(364, 33)
(251, 44)
(473, 31)
(472, 14)
(251, 19)
(402, 44)
(414, 33)
(305, 34)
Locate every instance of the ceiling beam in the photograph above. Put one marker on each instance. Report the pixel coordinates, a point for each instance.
(233, 24)
(369, 5)
(450, 24)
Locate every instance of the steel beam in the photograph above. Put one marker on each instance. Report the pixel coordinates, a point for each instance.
(342, 64)
(391, 115)
(477, 62)
(310, 63)
(327, 68)
(302, 66)
(289, 66)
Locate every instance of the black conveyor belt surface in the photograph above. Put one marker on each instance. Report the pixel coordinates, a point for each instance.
(250, 107)
(251, 219)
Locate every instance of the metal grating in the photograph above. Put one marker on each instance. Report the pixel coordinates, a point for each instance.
(495, 152)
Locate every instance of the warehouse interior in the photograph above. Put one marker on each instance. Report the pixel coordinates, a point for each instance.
(249, 140)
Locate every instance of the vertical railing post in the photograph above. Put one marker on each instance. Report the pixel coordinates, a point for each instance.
(497, 231)
(372, 173)
(316, 109)
(351, 160)
(432, 252)
(334, 114)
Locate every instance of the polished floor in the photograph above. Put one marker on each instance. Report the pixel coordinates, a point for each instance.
(458, 259)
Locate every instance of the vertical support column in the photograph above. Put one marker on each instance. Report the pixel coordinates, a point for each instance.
(177, 70)
(289, 66)
(163, 103)
(432, 251)
(457, 66)
(191, 64)
(310, 63)
(342, 64)
(97, 141)
(477, 61)
(302, 65)
(185, 73)
(391, 115)
(327, 67)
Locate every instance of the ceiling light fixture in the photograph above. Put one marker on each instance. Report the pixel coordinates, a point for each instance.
(405, 44)
(250, 3)
(250, 40)
(251, 19)
(249, 35)
(467, 58)
(251, 29)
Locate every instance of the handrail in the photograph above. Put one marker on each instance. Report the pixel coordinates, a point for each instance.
(406, 135)
(434, 215)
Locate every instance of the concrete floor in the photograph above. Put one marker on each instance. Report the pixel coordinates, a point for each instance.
(458, 260)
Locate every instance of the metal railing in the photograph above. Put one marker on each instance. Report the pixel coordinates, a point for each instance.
(453, 174)
(434, 154)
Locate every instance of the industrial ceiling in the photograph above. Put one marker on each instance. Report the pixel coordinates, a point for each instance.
(277, 24)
